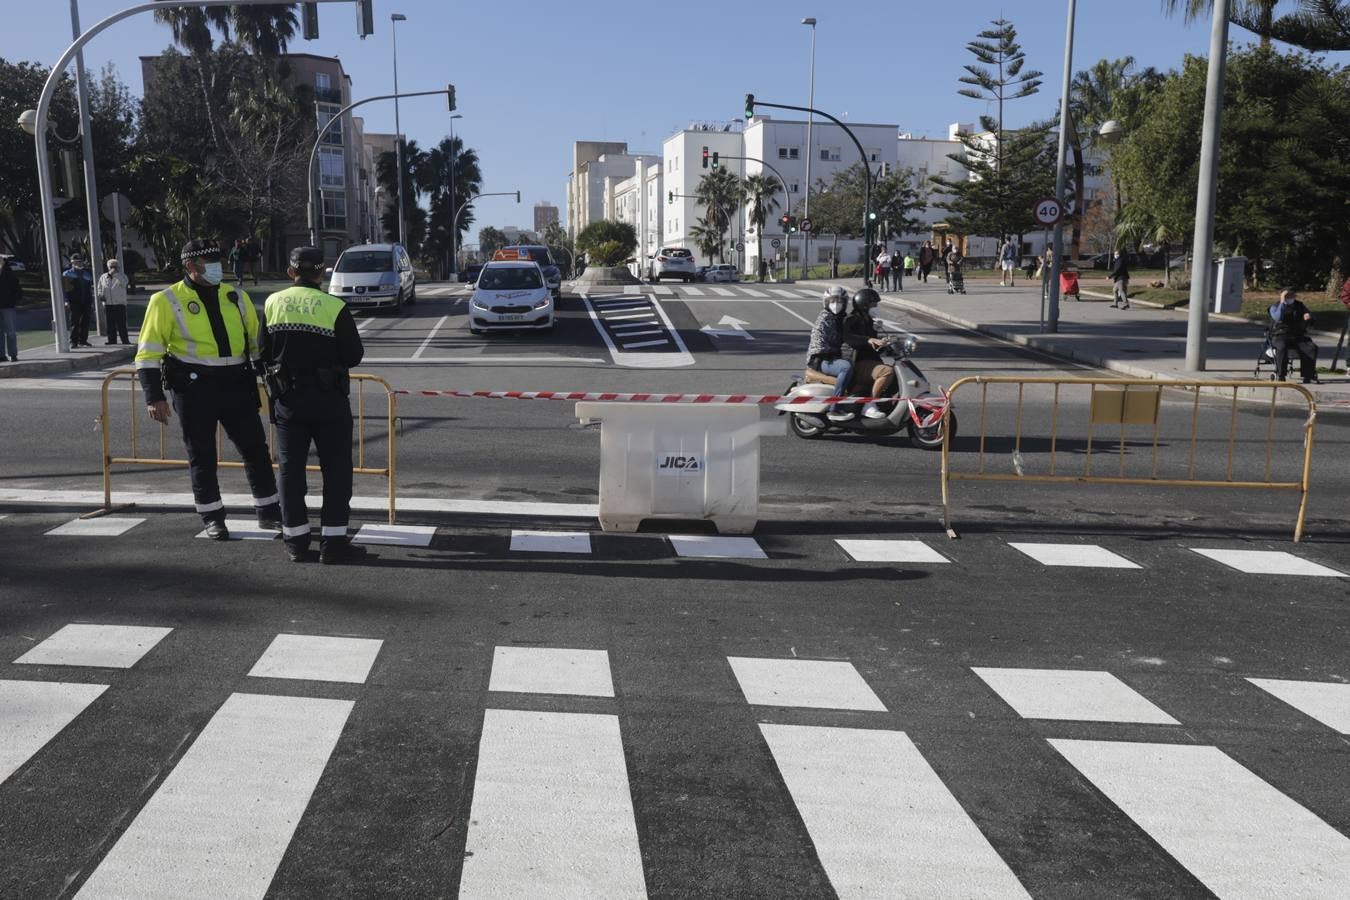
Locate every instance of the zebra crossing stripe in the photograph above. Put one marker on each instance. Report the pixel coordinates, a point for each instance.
(881, 820)
(1242, 838)
(311, 657)
(219, 825)
(552, 815)
(34, 712)
(104, 646)
(804, 683)
(551, 670)
(1072, 695)
(1326, 701)
(692, 291)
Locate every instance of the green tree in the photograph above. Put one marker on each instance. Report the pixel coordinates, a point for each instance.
(719, 192)
(434, 177)
(707, 237)
(1092, 96)
(555, 236)
(1255, 15)
(607, 242)
(386, 175)
(1317, 25)
(490, 240)
(760, 189)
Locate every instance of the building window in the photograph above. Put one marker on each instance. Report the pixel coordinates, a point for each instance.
(874, 155)
(322, 81)
(335, 213)
(327, 111)
(822, 254)
(830, 154)
(789, 153)
(331, 173)
(794, 187)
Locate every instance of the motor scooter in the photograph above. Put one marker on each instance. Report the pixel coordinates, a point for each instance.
(911, 403)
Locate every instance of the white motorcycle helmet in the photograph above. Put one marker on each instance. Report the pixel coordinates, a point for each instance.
(836, 300)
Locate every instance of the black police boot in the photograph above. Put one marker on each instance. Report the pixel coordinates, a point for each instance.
(296, 553)
(216, 530)
(340, 550)
(269, 518)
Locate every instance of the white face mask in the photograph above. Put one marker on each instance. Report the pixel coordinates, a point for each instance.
(836, 306)
(213, 273)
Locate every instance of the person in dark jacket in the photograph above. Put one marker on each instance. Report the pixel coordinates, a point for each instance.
(863, 342)
(78, 284)
(1120, 277)
(927, 256)
(1290, 332)
(11, 292)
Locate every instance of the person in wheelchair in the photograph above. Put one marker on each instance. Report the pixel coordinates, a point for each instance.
(1290, 332)
(825, 360)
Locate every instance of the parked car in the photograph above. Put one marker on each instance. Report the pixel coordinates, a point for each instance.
(723, 272)
(470, 273)
(538, 254)
(374, 276)
(701, 274)
(672, 262)
(511, 294)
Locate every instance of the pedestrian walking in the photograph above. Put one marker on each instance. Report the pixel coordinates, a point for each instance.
(112, 290)
(883, 269)
(1120, 279)
(1007, 258)
(238, 260)
(198, 350)
(927, 255)
(11, 294)
(78, 285)
(309, 343)
(1290, 332)
(254, 257)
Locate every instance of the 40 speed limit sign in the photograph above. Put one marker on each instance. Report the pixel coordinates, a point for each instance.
(1047, 211)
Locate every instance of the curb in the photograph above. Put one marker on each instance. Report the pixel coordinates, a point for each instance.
(100, 358)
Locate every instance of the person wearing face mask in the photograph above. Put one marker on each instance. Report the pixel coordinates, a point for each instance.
(199, 345)
(863, 342)
(825, 352)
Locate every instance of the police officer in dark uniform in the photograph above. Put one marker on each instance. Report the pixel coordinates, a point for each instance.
(199, 344)
(309, 343)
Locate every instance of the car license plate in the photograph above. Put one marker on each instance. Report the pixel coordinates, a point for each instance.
(512, 318)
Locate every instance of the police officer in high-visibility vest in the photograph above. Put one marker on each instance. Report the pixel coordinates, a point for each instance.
(309, 343)
(199, 345)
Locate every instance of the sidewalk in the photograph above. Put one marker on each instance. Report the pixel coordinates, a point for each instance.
(1144, 341)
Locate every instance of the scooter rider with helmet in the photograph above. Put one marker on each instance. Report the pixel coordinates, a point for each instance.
(825, 353)
(863, 342)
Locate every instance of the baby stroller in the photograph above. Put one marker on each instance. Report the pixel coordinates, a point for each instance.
(1068, 284)
(956, 278)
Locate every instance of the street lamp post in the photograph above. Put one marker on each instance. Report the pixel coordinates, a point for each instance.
(454, 235)
(1052, 313)
(1206, 195)
(810, 117)
(394, 19)
(90, 181)
(454, 224)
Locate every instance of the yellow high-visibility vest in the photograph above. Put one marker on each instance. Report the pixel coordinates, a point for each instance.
(177, 325)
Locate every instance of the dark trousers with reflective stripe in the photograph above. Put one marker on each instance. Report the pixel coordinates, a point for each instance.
(226, 398)
(308, 415)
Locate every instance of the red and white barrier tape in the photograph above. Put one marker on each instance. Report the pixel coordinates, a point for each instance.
(934, 403)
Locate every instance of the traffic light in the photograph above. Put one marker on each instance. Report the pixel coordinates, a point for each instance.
(715, 164)
(749, 107)
(450, 96)
(792, 224)
(309, 15)
(670, 196)
(871, 217)
(365, 18)
(785, 220)
(705, 157)
(885, 169)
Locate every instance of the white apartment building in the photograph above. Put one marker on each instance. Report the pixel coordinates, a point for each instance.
(639, 201)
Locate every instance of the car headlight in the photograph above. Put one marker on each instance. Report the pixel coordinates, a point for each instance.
(477, 303)
(543, 303)
(910, 344)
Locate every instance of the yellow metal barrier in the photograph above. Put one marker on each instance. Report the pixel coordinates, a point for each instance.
(388, 471)
(1125, 402)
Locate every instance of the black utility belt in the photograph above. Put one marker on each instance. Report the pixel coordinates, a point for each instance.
(280, 380)
(179, 376)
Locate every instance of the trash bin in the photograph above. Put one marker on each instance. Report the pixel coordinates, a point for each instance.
(1229, 274)
(679, 461)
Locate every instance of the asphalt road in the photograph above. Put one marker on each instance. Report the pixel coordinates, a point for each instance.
(920, 717)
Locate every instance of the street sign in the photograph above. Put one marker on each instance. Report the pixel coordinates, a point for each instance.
(117, 208)
(806, 224)
(740, 246)
(776, 243)
(1048, 212)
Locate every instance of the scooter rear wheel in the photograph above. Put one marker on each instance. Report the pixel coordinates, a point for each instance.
(803, 427)
(930, 438)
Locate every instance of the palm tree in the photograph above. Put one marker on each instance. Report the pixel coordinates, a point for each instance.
(707, 238)
(759, 190)
(1257, 15)
(386, 174)
(1091, 96)
(720, 192)
(433, 178)
(265, 30)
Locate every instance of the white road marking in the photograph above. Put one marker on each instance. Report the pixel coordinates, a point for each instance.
(478, 360)
(245, 530)
(1238, 835)
(691, 291)
(427, 342)
(751, 292)
(722, 292)
(645, 315)
(104, 526)
(396, 535)
(552, 815)
(550, 541)
(1326, 701)
(654, 360)
(630, 334)
(804, 683)
(1268, 562)
(104, 646)
(782, 293)
(702, 546)
(1088, 556)
(881, 820)
(551, 670)
(641, 344)
(311, 657)
(794, 315)
(219, 824)
(891, 551)
(1072, 695)
(34, 712)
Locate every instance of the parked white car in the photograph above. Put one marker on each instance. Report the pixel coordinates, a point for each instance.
(511, 295)
(723, 272)
(374, 276)
(672, 262)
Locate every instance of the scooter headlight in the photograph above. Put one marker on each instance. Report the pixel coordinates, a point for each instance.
(910, 345)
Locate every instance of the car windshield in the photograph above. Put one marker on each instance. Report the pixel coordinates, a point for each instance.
(509, 279)
(540, 255)
(366, 261)
(677, 252)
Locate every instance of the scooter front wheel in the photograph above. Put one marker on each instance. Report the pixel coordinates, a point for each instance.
(931, 438)
(803, 427)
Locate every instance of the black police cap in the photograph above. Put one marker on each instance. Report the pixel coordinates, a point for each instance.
(307, 258)
(200, 249)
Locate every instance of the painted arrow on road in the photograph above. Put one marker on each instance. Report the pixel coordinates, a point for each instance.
(736, 328)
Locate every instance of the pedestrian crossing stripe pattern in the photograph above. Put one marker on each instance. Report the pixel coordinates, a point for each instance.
(1268, 562)
(551, 670)
(804, 684)
(716, 547)
(244, 530)
(104, 526)
(550, 542)
(395, 535)
(34, 712)
(890, 551)
(1076, 555)
(100, 646)
(308, 657)
(1326, 701)
(1071, 695)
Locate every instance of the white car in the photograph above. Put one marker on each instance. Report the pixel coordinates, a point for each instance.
(511, 294)
(672, 262)
(723, 272)
(374, 276)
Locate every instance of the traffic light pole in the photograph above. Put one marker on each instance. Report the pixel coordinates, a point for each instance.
(51, 241)
(314, 212)
(454, 223)
(751, 103)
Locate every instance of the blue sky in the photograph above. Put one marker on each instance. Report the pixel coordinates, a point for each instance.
(534, 77)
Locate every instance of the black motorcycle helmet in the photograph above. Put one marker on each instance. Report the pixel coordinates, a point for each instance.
(866, 300)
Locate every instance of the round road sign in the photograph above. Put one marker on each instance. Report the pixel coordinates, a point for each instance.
(1047, 211)
(740, 245)
(775, 243)
(806, 224)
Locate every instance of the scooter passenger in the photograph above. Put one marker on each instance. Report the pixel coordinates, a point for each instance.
(863, 341)
(825, 353)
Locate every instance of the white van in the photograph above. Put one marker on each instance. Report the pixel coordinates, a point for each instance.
(374, 276)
